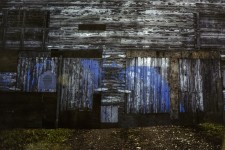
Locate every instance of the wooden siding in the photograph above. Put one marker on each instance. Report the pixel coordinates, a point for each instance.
(8, 81)
(200, 85)
(30, 70)
(79, 80)
(109, 114)
(211, 31)
(24, 30)
(155, 25)
(147, 82)
(183, 28)
(191, 87)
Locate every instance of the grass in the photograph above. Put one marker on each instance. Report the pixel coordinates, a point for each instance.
(214, 133)
(36, 139)
(213, 129)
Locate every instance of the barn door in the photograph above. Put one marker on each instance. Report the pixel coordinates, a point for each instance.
(199, 85)
(147, 81)
(79, 79)
(191, 90)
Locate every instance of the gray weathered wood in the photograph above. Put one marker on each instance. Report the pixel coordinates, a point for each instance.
(147, 81)
(79, 79)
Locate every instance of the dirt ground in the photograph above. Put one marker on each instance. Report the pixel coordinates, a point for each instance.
(147, 138)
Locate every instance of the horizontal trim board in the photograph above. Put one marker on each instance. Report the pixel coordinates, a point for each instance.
(77, 54)
(174, 54)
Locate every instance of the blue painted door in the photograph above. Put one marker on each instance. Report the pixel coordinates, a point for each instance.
(146, 79)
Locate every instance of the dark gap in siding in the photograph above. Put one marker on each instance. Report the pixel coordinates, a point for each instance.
(47, 19)
(77, 54)
(32, 109)
(34, 54)
(8, 61)
(100, 27)
(3, 3)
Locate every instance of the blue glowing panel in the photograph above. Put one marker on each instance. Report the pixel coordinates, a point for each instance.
(47, 82)
(109, 114)
(148, 85)
(30, 70)
(8, 81)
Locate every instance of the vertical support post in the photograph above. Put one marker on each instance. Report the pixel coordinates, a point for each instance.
(45, 29)
(220, 88)
(174, 82)
(58, 91)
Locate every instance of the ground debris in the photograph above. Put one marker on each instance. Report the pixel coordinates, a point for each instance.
(146, 138)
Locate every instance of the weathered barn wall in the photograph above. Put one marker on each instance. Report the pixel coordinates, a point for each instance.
(200, 89)
(129, 24)
(191, 87)
(31, 71)
(211, 31)
(120, 29)
(147, 82)
(80, 79)
(23, 29)
(8, 81)
(199, 80)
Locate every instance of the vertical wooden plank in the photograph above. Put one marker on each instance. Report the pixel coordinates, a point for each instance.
(191, 87)
(212, 86)
(59, 91)
(174, 68)
(109, 114)
(80, 76)
(149, 89)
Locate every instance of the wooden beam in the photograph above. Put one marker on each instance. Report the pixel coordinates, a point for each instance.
(174, 82)
(198, 54)
(77, 54)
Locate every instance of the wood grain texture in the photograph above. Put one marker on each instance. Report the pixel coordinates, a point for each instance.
(79, 79)
(129, 25)
(30, 69)
(200, 86)
(173, 79)
(173, 29)
(147, 81)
